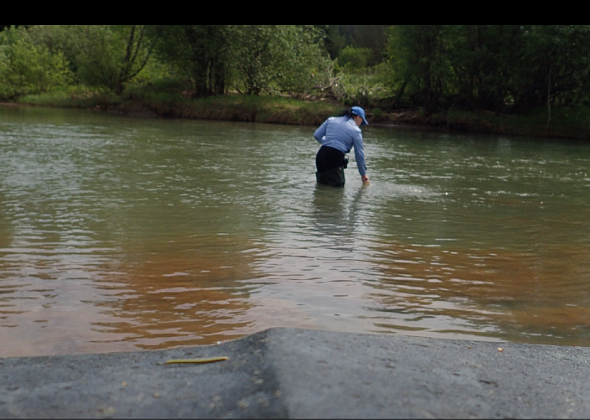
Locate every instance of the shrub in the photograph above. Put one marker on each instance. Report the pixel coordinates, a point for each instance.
(355, 58)
(26, 67)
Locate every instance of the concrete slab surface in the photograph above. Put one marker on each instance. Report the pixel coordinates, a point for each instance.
(295, 373)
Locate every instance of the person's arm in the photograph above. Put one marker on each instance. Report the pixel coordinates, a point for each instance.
(359, 154)
(320, 133)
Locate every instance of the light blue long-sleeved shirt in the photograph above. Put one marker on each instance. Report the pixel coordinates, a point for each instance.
(342, 133)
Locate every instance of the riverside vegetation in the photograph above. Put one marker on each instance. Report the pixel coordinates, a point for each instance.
(510, 79)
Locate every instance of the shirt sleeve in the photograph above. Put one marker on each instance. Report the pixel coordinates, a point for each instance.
(359, 153)
(320, 133)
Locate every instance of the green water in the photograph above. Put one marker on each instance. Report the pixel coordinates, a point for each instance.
(123, 234)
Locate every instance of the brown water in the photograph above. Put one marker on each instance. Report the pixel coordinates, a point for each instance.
(123, 234)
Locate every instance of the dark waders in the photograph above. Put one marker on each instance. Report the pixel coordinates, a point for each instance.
(330, 163)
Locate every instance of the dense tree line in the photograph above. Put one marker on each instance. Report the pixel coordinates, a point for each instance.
(215, 59)
(493, 67)
(502, 68)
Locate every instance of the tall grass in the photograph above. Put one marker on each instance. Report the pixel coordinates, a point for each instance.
(268, 109)
(73, 97)
(169, 100)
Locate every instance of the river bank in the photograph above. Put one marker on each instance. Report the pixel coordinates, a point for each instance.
(297, 373)
(154, 102)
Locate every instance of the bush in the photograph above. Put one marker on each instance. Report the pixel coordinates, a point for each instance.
(355, 58)
(73, 97)
(26, 67)
(357, 89)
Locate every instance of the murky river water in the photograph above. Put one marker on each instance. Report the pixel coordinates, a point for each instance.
(123, 234)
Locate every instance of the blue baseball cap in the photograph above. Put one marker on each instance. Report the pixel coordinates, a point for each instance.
(357, 110)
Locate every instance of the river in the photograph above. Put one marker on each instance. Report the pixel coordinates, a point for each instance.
(121, 234)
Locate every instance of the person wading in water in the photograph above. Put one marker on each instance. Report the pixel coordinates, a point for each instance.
(338, 135)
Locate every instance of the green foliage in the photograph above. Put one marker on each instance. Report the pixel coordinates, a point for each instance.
(255, 55)
(420, 63)
(104, 56)
(304, 60)
(110, 56)
(27, 67)
(354, 58)
(73, 97)
(378, 114)
(333, 40)
(252, 59)
(276, 58)
(356, 89)
(494, 67)
(371, 37)
(499, 68)
(556, 63)
(199, 52)
(566, 122)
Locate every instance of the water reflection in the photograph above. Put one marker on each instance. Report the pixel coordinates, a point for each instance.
(483, 294)
(185, 293)
(336, 211)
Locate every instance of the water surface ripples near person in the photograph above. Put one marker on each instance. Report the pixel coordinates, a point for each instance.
(122, 234)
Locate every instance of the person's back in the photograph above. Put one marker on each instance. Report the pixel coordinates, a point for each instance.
(338, 135)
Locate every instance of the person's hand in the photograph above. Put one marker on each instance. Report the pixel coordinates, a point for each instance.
(365, 179)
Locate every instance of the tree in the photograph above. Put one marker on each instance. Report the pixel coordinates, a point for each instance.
(27, 67)
(555, 66)
(281, 58)
(251, 58)
(482, 59)
(420, 67)
(505, 68)
(355, 58)
(372, 37)
(106, 56)
(333, 41)
(5, 27)
(111, 56)
(306, 60)
(198, 51)
(255, 55)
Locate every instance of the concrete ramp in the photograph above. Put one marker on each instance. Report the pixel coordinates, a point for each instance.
(294, 373)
